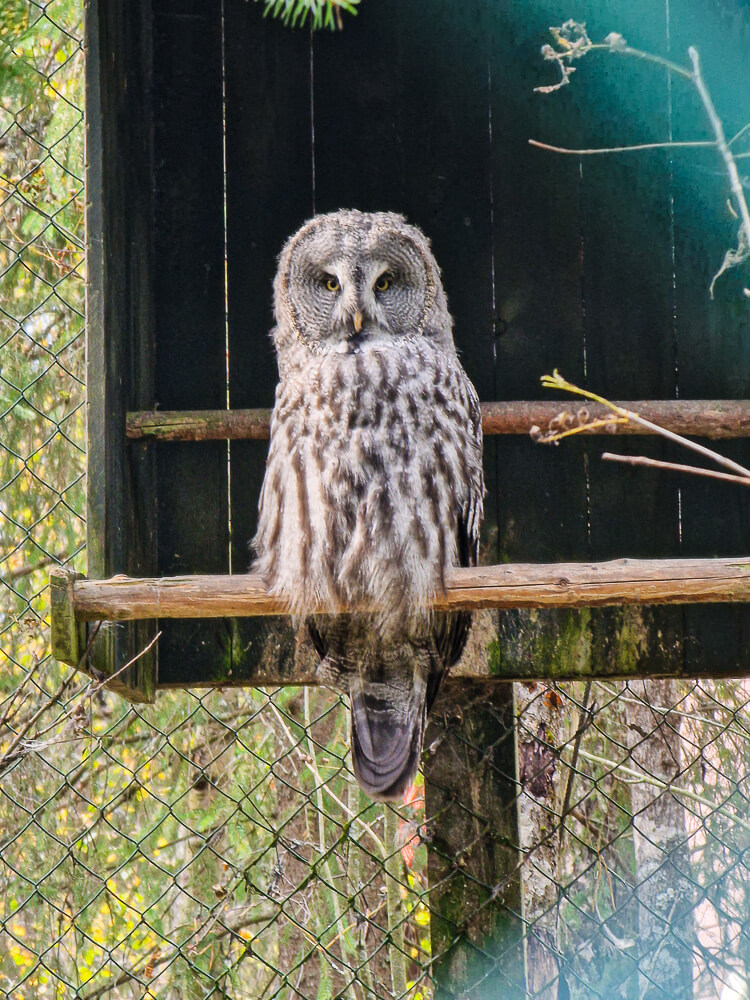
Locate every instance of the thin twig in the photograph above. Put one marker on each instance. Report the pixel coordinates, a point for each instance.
(583, 724)
(28, 568)
(9, 755)
(706, 144)
(721, 143)
(13, 707)
(654, 463)
(393, 883)
(12, 753)
(674, 67)
(355, 805)
(630, 775)
(93, 633)
(738, 135)
(556, 381)
(325, 854)
(324, 785)
(573, 43)
(585, 427)
(715, 456)
(155, 960)
(89, 692)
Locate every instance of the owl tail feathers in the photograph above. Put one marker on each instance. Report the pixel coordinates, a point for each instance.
(387, 731)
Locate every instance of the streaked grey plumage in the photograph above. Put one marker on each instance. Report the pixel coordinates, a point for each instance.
(373, 484)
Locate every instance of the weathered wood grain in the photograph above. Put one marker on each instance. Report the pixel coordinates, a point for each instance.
(621, 581)
(711, 418)
(188, 287)
(474, 862)
(120, 325)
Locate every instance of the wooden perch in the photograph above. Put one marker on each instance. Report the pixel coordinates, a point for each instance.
(709, 418)
(554, 585)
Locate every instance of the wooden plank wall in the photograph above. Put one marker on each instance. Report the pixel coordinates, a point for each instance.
(190, 325)
(713, 347)
(548, 262)
(121, 498)
(597, 266)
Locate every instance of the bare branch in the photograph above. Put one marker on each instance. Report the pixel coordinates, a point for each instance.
(27, 568)
(716, 124)
(573, 42)
(556, 381)
(738, 135)
(654, 463)
(630, 775)
(704, 143)
(20, 746)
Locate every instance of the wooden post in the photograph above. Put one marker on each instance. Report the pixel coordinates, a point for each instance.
(474, 866)
(68, 633)
(121, 499)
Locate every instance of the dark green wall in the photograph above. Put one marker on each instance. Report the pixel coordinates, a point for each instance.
(597, 266)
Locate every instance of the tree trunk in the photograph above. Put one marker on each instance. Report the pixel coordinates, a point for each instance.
(541, 725)
(662, 857)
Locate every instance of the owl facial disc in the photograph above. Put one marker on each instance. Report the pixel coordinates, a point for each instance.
(355, 278)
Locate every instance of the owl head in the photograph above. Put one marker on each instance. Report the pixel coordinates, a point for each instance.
(349, 278)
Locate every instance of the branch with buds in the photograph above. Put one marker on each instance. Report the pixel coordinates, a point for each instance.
(567, 424)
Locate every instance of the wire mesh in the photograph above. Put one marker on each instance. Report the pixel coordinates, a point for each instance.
(215, 844)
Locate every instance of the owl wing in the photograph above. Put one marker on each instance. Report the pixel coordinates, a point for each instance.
(452, 627)
(319, 640)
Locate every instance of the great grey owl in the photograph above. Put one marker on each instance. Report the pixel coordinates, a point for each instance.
(373, 485)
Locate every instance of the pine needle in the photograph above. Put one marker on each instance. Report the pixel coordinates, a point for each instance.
(323, 13)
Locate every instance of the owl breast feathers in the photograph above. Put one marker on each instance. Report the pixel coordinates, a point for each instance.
(373, 485)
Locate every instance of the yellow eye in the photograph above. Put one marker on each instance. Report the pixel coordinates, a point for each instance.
(383, 282)
(332, 284)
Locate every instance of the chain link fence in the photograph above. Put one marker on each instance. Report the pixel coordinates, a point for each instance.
(215, 844)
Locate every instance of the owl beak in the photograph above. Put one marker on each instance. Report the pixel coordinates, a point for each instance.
(358, 320)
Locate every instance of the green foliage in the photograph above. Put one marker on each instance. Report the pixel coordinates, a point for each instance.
(41, 310)
(322, 13)
(198, 844)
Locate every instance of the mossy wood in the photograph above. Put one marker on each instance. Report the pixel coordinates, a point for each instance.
(633, 585)
(69, 633)
(121, 485)
(471, 788)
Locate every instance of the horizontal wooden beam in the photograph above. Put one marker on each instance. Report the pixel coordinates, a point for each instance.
(709, 418)
(554, 585)
(198, 425)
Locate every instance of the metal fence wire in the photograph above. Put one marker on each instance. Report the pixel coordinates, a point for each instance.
(215, 844)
